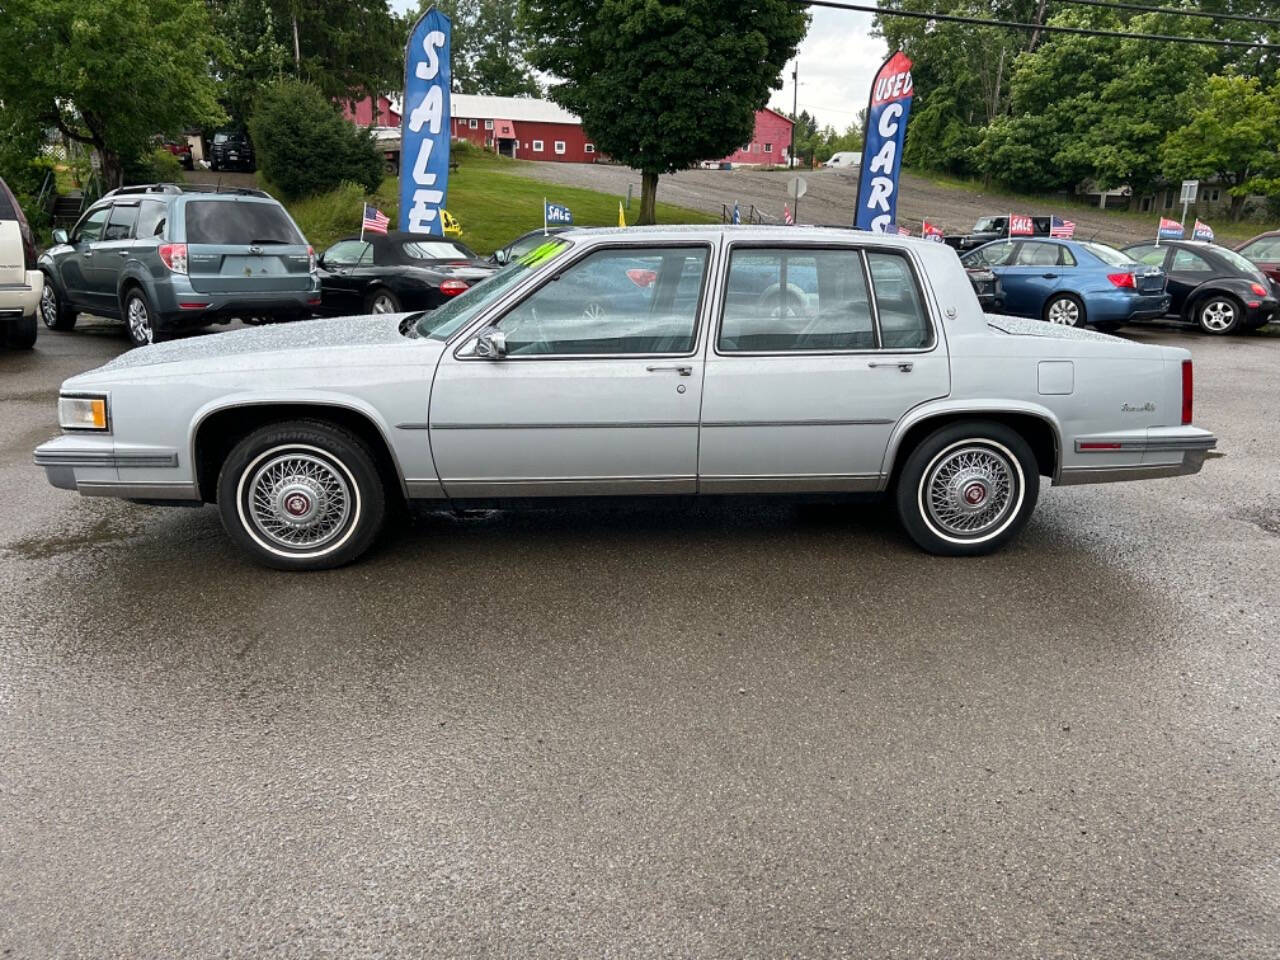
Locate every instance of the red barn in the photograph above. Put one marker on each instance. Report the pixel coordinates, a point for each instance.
(522, 127)
(770, 142)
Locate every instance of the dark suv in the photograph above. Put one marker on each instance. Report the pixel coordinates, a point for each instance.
(987, 229)
(166, 257)
(231, 150)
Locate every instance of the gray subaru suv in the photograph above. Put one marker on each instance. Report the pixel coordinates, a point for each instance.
(167, 257)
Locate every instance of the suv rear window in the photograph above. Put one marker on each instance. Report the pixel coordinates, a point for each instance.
(6, 208)
(239, 222)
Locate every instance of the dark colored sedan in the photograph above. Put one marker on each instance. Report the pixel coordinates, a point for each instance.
(523, 244)
(1211, 286)
(1264, 251)
(396, 271)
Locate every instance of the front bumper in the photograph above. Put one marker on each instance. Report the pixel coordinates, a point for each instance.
(1157, 452)
(95, 466)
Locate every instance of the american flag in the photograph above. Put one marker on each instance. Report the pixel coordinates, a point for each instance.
(375, 221)
(1062, 229)
(786, 214)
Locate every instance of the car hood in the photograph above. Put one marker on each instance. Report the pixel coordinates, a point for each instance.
(302, 335)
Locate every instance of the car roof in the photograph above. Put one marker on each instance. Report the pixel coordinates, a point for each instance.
(746, 232)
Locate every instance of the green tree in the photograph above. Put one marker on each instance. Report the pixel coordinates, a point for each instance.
(663, 84)
(254, 53)
(489, 47)
(1233, 136)
(304, 144)
(110, 74)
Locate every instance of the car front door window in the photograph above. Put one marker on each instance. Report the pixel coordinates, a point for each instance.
(1188, 261)
(89, 229)
(633, 301)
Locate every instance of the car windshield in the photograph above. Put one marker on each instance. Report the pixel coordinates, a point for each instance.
(220, 138)
(436, 250)
(1264, 248)
(1110, 255)
(239, 222)
(446, 320)
(1244, 265)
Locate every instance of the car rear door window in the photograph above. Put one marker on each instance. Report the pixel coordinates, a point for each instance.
(349, 253)
(904, 323)
(89, 229)
(1037, 255)
(120, 223)
(637, 300)
(151, 219)
(789, 300)
(1188, 261)
(239, 222)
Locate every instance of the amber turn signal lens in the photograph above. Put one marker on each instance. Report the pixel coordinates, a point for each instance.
(82, 413)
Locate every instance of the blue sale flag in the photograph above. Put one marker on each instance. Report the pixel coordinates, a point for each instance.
(424, 124)
(559, 213)
(887, 114)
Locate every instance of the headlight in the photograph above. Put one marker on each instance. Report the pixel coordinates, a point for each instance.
(83, 412)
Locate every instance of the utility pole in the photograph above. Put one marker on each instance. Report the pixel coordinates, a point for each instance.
(795, 113)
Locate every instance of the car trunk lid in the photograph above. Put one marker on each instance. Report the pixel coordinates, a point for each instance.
(1149, 280)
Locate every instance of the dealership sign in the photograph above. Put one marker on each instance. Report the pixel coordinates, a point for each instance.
(1169, 230)
(887, 114)
(424, 124)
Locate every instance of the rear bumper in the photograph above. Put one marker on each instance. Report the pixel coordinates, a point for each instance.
(21, 299)
(1122, 307)
(180, 307)
(1262, 314)
(1161, 452)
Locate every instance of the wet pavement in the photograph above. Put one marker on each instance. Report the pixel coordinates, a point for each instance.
(711, 732)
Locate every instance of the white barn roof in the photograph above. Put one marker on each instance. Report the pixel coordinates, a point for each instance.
(526, 109)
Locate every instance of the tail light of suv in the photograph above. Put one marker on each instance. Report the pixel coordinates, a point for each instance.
(174, 256)
(1187, 392)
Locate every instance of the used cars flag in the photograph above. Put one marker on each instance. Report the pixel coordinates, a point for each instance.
(1202, 231)
(886, 130)
(931, 231)
(1169, 230)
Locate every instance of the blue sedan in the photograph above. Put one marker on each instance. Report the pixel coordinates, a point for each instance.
(1073, 282)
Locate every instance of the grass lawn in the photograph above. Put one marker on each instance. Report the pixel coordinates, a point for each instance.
(489, 198)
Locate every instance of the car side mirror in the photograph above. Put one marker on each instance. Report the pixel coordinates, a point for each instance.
(60, 236)
(491, 345)
(499, 257)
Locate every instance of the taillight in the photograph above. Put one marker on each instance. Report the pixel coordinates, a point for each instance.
(311, 259)
(28, 250)
(174, 256)
(1122, 280)
(1259, 289)
(1186, 392)
(451, 288)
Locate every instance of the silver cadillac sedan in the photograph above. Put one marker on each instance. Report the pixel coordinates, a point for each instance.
(670, 361)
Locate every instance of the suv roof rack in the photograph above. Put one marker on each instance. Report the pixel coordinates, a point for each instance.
(171, 188)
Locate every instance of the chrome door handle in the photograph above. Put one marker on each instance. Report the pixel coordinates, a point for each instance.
(906, 366)
(684, 370)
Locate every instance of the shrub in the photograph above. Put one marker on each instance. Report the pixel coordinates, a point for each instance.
(305, 146)
(158, 166)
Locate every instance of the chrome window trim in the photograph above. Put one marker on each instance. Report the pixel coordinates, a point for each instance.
(521, 293)
(805, 243)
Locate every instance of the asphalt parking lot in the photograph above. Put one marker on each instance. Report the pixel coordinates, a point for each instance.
(720, 732)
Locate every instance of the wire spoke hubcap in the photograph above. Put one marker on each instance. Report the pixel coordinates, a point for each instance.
(139, 322)
(969, 491)
(1218, 315)
(299, 501)
(1064, 312)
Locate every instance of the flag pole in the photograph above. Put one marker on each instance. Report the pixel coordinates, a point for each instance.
(362, 206)
(544, 216)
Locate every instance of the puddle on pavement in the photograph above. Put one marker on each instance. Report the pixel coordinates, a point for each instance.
(103, 531)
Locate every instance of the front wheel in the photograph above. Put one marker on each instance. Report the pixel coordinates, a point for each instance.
(967, 489)
(301, 495)
(54, 310)
(1219, 314)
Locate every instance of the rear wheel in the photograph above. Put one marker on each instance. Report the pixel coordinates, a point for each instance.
(968, 488)
(382, 300)
(21, 334)
(54, 311)
(302, 495)
(139, 318)
(1219, 314)
(1065, 310)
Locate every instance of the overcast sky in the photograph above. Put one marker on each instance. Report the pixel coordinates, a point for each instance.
(838, 58)
(837, 61)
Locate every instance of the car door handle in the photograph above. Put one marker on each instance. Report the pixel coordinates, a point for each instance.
(906, 366)
(684, 370)
(122, 253)
(1049, 276)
